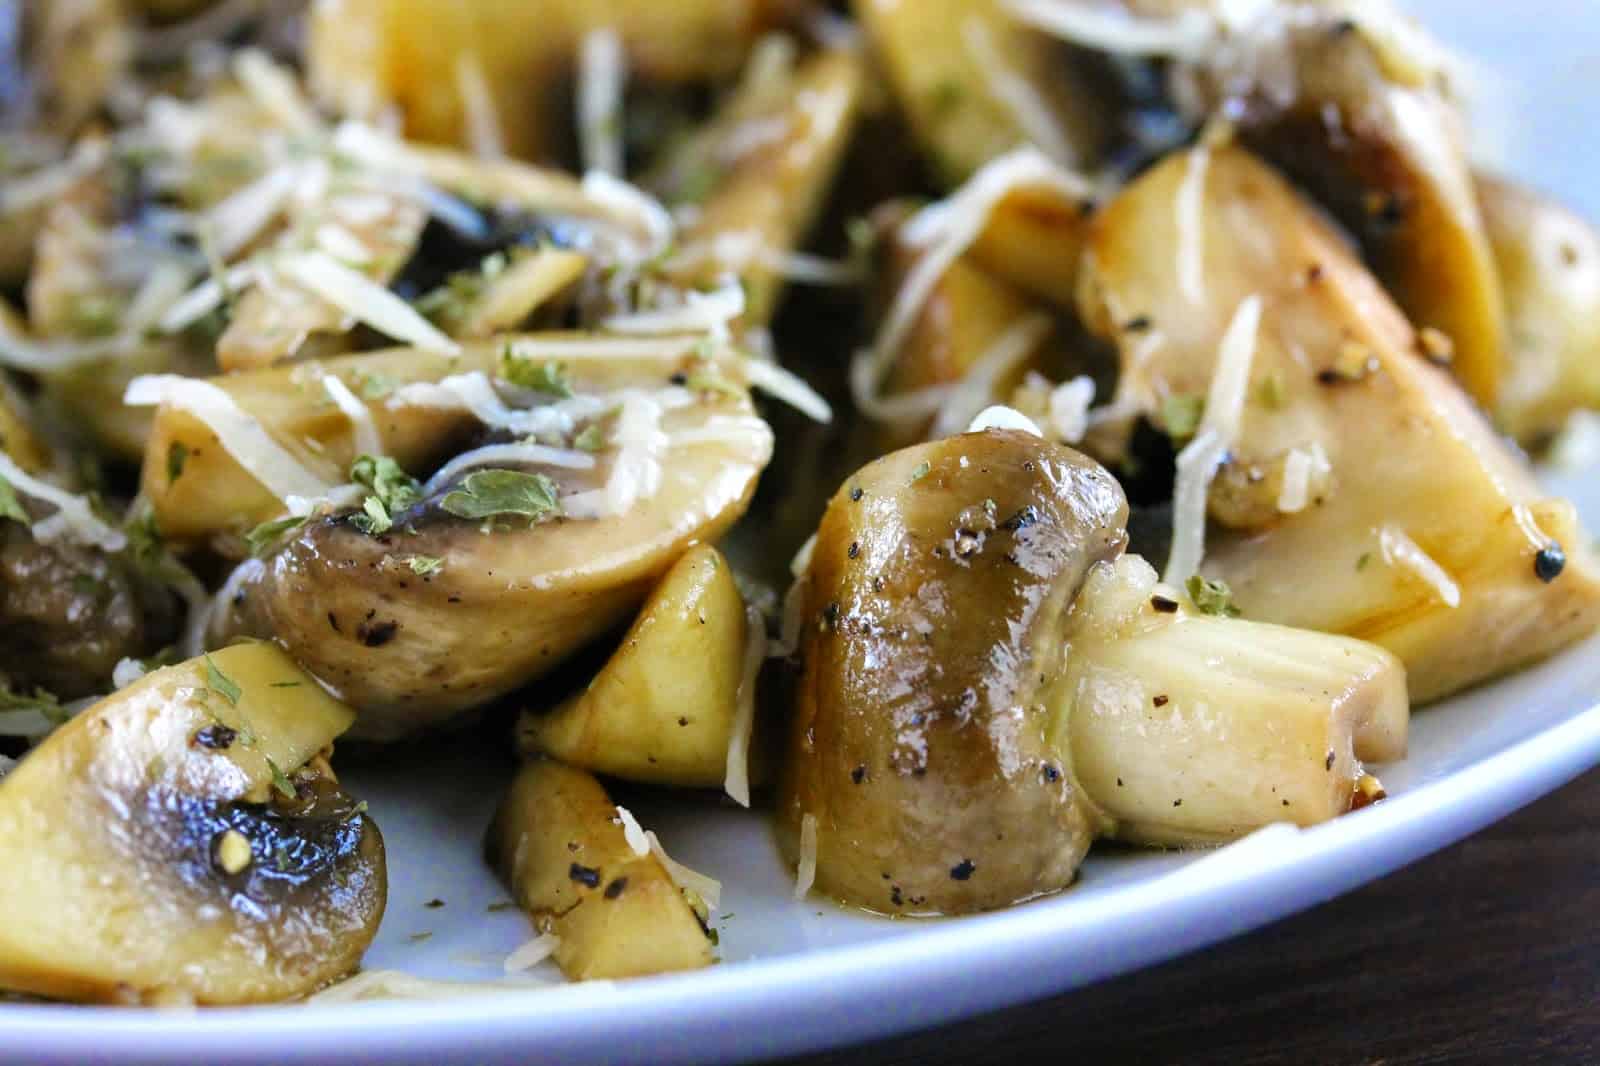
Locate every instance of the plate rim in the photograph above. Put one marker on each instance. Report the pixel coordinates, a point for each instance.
(834, 996)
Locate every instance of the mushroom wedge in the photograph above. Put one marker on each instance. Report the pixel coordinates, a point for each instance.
(183, 840)
(438, 64)
(644, 716)
(1549, 263)
(459, 602)
(973, 83)
(580, 872)
(758, 192)
(1354, 102)
(987, 684)
(1362, 492)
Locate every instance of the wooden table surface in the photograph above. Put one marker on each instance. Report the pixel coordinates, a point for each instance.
(1487, 952)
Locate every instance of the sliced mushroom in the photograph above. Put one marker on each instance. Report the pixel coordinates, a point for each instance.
(986, 685)
(760, 172)
(370, 55)
(184, 840)
(560, 844)
(1427, 536)
(974, 84)
(648, 715)
(1340, 99)
(1549, 263)
(413, 646)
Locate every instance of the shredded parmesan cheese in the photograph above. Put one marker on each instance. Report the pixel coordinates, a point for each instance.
(635, 469)
(1069, 408)
(1300, 466)
(1399, 550)
(504, 455)
(275, 91)
(531, 954)
(630, 202)
(945, 230)
(805, 874)
(362, 427)
(364, 299)
(236, 221)
(601, 76)
(1189, 204)
(126, 672)
(633, 832)
(736, 781)
(239, 433)
(1189, 35)
(204, 298)
(1001, 417)
(783, 385)
(396, 984)
(74, 520)
(1219, 429)
(710, 313)
(477, 102)
(708, 889)
(1017, 94)
(49, 183)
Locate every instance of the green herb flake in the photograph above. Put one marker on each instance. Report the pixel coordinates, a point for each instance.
(281, 782)
(10, 506)
(488, 493)
(502, 905)
(177, 456)
(371, 385)
(1180, 414)
(1211, 597)
(592, 439)
(285, 684)
(221, 683)
(266, 534)
(392, 490)
(1269, 391)
(946, 97)
(1364, 560)
(707, 381)
(921, 471)
(547, 376)
(39, 701)
(425, 565)
(94, 315)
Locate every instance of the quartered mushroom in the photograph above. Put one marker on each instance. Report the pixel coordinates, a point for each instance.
(648, 714)
(184, 840)
(976, 658)
(586, 876)
(479, 72)
(512, 555)
(1549, 264)
(1346, 435)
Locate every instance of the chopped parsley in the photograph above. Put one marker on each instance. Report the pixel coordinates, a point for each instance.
(1269, 391)
(1180, 414)
(221, 683)
(488, 493)
(371, 385)
(94, 315)
(1211, 597)
(1365, 558)
(266, 534)
(392, 490)
(10, 506)
(424, 565)
(39, 701)
(177, 456)
(921, 471)
(592, 439)
(281, 782)
(547, 376)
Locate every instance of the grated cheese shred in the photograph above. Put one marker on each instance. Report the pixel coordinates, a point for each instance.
(1399, 550)
(736, 781)
(805, 874)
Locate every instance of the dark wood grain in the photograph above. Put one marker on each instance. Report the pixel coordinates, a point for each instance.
(1488, 952)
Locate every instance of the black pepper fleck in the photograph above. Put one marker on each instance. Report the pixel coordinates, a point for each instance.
(434, 904)
(1159, 701)
(858, 775)
(377, 634)
(1051, 773)
(1137, 324)
(962, 870)
(614, 889)
(854, 549)
(855, 494)
(1164, 604)
(1549, 563)
(216, 737)
(1327, 764)
(587, 876)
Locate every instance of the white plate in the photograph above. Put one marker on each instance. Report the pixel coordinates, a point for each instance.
(801, 976)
